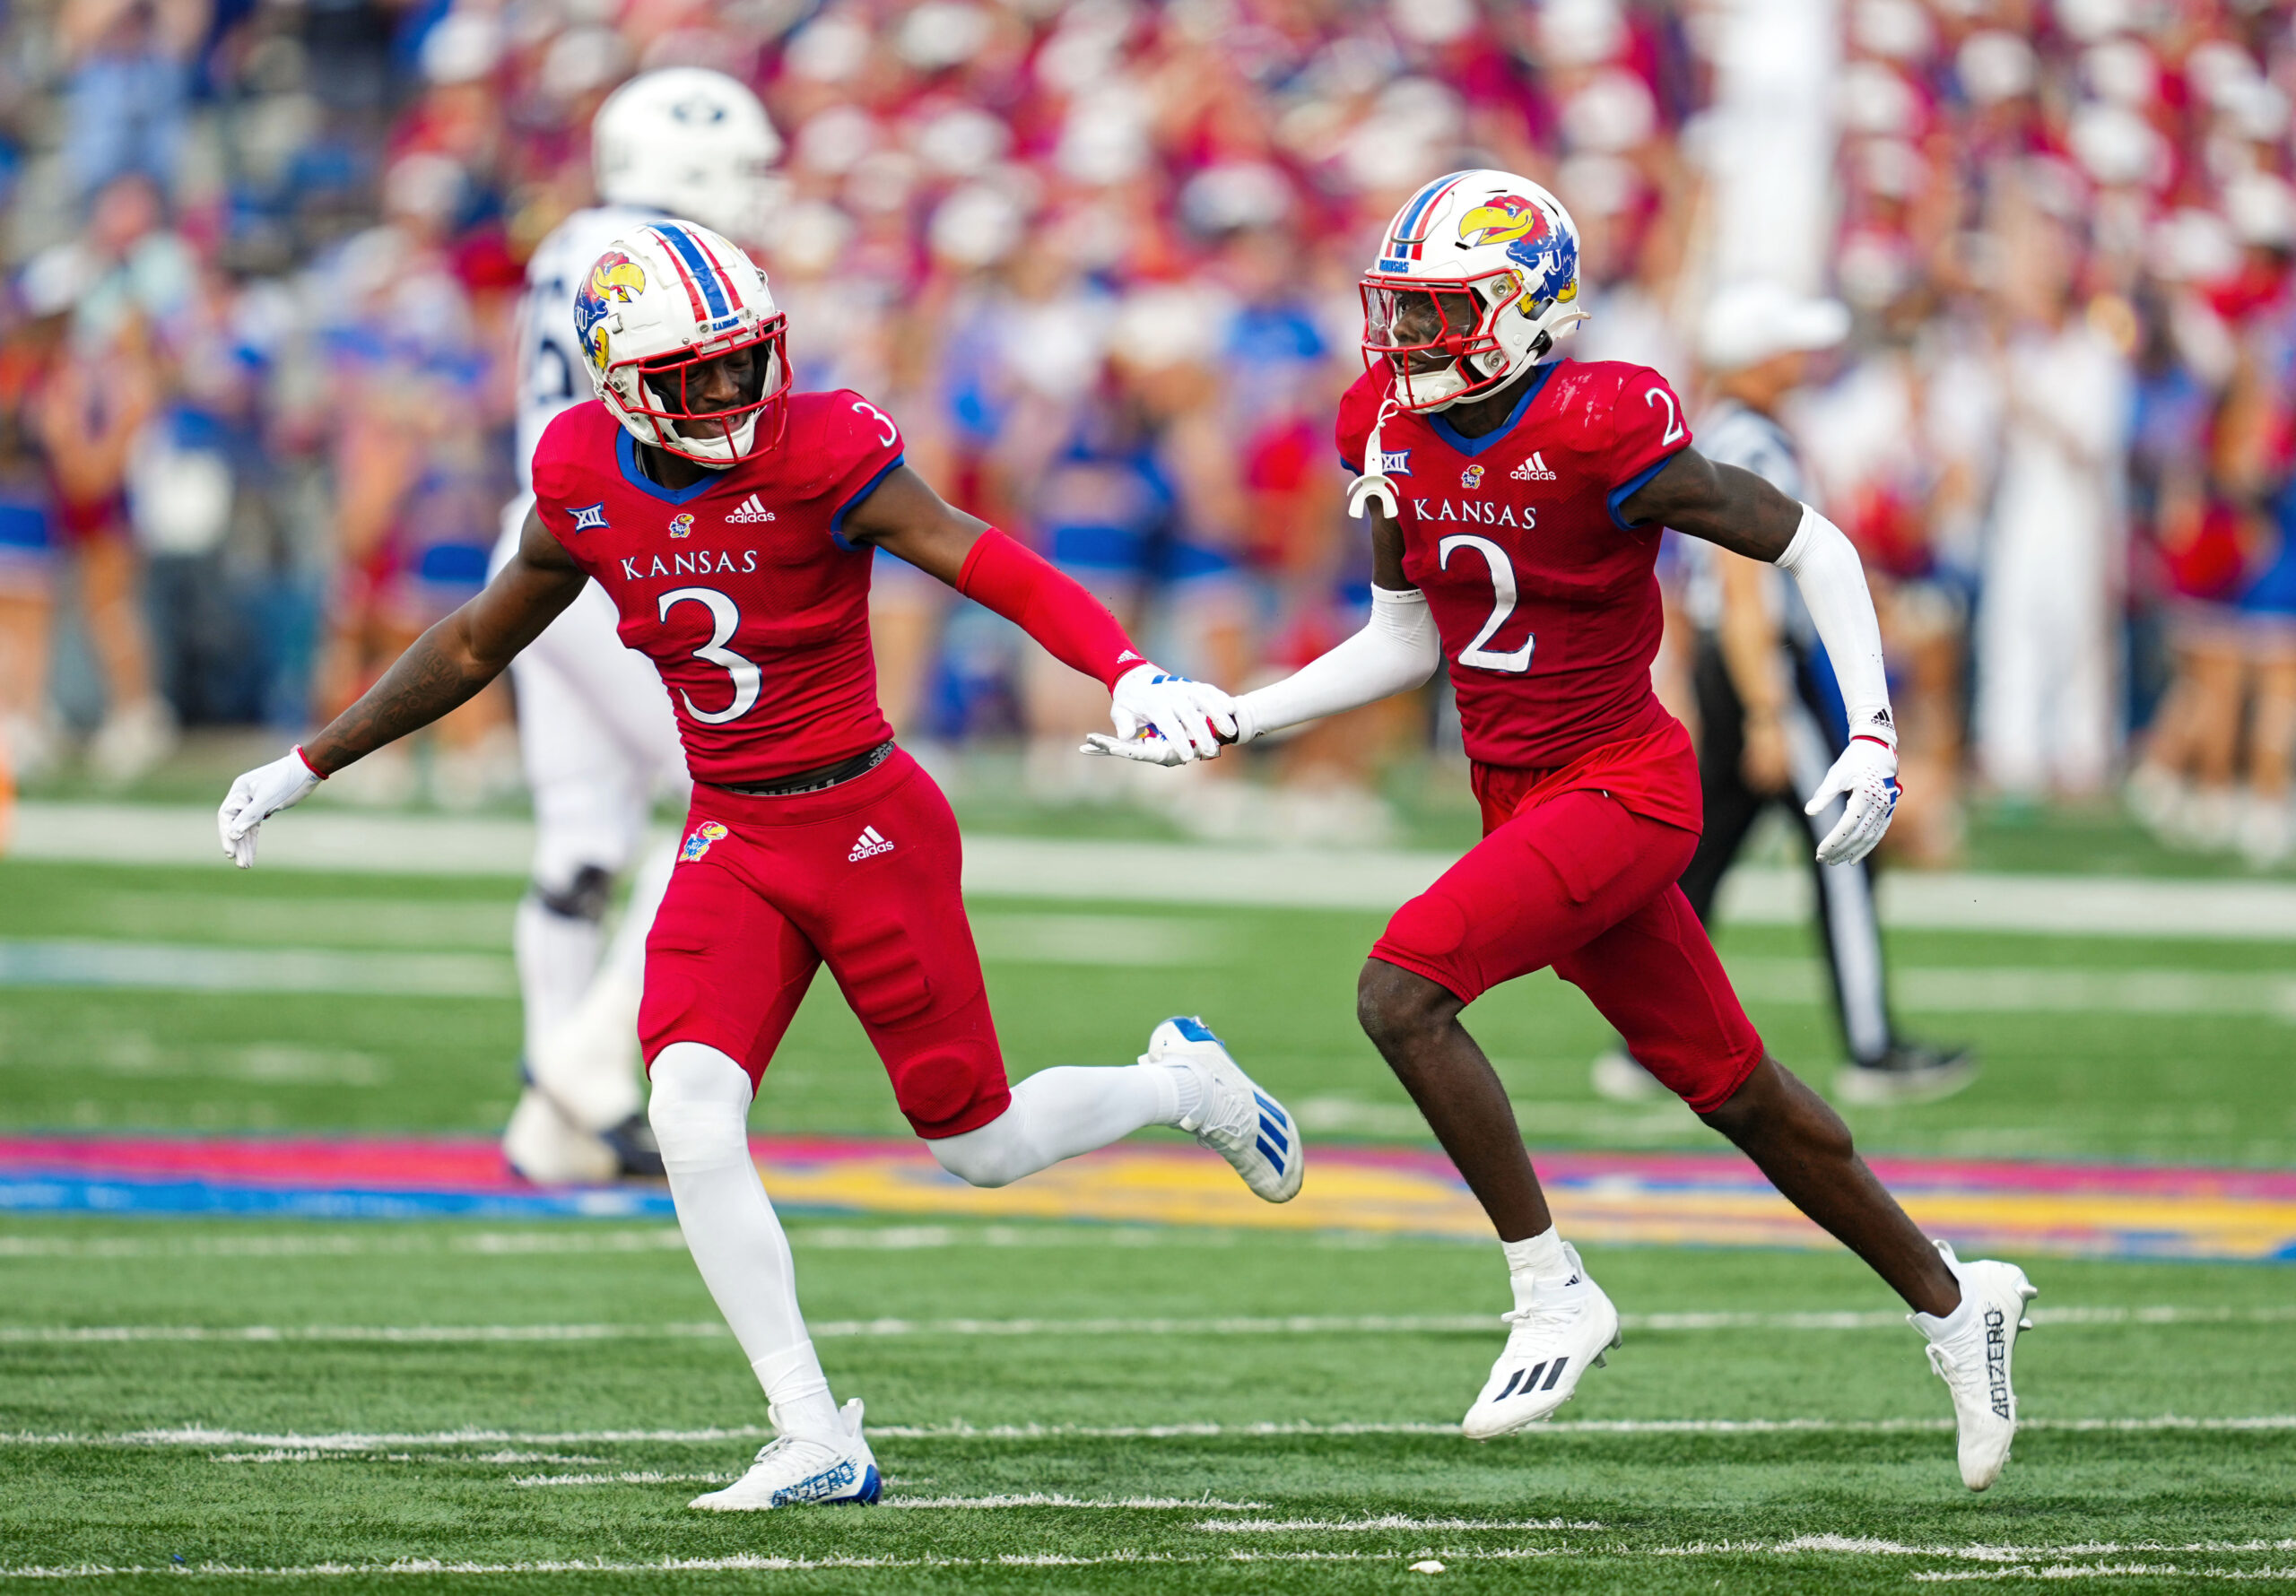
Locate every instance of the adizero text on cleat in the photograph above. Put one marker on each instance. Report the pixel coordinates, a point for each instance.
(1565, 1331)
(806, 1470)
(1235, 1118)
(1971, 1349)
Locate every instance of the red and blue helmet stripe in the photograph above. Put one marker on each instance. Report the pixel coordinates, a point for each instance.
(707, 284)
(1410, 238)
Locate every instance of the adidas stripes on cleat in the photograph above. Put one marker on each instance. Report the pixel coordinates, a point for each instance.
(1565, 1331)
(1234, 1117)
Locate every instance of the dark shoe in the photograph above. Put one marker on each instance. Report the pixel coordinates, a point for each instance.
(1906, 1073)
(633, 1144)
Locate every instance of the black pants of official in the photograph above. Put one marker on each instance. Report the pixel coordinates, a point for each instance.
(1847, 929)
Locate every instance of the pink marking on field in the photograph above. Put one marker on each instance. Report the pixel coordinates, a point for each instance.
(475, 1163)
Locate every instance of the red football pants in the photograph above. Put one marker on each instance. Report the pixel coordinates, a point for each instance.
(863, 877)
(1583, 883)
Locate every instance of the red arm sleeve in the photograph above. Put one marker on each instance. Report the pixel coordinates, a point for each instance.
(1071, 625)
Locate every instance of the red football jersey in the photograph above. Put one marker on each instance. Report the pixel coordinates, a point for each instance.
(739, 588)
(1545, 598)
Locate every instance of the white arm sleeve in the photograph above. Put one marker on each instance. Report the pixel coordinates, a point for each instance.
(1826, 568)
(1397, 651)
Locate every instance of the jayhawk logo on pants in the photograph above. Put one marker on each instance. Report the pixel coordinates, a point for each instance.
(615, 279)
(696, 846)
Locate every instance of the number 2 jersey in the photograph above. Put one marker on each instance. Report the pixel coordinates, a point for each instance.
(739, 588)
(1545, 598)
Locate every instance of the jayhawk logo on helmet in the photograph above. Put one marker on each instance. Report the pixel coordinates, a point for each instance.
(1549, 259)
(615, 279)
(1503, 221)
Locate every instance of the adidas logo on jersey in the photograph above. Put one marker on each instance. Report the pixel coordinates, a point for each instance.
(1532, 469)
(868, 845)
(751, 510)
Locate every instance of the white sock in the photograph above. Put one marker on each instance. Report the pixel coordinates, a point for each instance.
(1536, 1260)
(796, 1392)
(1187, 1089)
(1938, 1327)
(1057, 1114)
(701, 1116)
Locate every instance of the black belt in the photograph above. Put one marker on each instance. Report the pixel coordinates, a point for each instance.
(812, 780)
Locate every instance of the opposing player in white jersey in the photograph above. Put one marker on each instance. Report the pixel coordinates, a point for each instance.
(594, 727)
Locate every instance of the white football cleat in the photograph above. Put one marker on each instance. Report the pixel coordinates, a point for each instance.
(1565, 1331)
(798, 1470)
(1235, 1118)
(1970, 1349)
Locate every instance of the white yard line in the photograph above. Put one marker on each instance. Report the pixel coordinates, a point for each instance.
(2035, 990)
(182, 966)
(1298, 1325)
(1803, 1546)
(1384, 1521)
(354, 1442)
(1372, 880)
(1110, 940)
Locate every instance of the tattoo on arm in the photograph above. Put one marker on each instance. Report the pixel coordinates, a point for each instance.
(1721, 504)
(436, 674)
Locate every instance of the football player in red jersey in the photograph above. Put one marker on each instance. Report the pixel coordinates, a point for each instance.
(1519, 501)
(731, 521)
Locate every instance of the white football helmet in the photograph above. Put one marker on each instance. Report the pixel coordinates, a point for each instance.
(689, 141)
(1477, 278)
(684, 343)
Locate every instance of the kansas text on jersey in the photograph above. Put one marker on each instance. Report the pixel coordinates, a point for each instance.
(1544, 596)
(739, 588)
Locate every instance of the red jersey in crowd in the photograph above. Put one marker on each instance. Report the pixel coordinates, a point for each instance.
(740, 587)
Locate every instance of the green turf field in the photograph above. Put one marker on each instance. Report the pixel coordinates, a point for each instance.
(1083, 984)
(339, 1400)
(510, 1452)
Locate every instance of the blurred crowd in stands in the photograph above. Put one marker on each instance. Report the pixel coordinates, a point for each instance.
(1099, 257)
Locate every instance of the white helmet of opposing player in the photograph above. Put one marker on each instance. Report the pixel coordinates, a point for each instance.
(689, 141)
(1477, 278)
(684, 343)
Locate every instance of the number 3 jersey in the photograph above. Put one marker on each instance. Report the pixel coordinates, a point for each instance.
(739, 588)
(1545, 598)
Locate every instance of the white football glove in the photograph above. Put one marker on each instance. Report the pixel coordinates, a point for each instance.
(1164, 720)
(257, 796)
(1867, 778)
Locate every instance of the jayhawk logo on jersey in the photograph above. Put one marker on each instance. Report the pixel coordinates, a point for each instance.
(615, 279)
